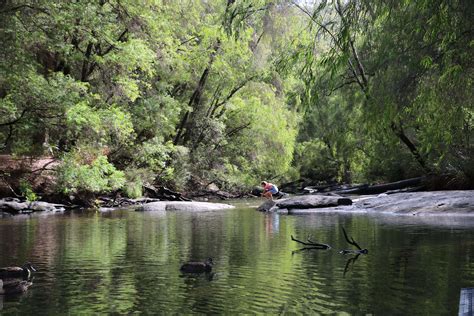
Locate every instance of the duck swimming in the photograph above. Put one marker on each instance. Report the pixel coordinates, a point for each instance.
(197, 267)
(17, 272)
(14, 287)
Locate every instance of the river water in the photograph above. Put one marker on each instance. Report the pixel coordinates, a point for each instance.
(128, 262)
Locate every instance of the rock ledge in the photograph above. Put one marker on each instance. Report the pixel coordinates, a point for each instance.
(183, 206)
(411, 203)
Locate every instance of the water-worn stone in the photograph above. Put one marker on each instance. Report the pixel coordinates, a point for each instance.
(15, 206)
(183, 206)
(39, 206)
(313, 201)
(267, 206)
(304, 202)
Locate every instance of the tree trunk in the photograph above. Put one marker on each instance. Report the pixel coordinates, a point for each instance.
(398, 130)
(184, 131)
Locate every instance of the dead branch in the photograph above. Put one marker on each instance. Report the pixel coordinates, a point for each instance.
(311, 244)
(351, 241)
(5, 181)
(44, 167)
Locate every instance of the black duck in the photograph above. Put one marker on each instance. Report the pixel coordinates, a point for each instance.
(197, 267)
(17, 272)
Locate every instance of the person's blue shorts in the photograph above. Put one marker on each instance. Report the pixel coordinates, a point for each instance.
(273, 190)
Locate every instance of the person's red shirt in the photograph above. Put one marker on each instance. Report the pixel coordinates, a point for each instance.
(268, 187)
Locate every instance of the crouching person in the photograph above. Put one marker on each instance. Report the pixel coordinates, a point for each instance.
(269, 189)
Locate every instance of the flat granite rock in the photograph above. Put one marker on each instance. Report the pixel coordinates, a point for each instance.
(421, 203)
(183, 206)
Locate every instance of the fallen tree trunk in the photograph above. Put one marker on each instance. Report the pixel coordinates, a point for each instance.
(381, 188)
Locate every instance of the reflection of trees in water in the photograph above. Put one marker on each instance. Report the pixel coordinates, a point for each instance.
(131, 260)
(29, 236)
(47, 235)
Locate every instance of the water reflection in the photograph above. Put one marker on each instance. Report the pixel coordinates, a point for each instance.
(209, 276)
(272, 223)
(127, 262)
(350, 263)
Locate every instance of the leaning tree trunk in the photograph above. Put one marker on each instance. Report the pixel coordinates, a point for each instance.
(398, 130)
(184, 131)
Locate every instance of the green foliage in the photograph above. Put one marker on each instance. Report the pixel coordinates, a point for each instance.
(387, 88)
(238, 91)
(86, 170)
(179, 172)
(263, 133)
(135, 180)
(315, 162)
(110, 126)
(26, 190)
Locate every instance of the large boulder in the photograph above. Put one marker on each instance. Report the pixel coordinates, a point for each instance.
(183, 206)
(304, 202)
(313, 201)
(267, 206)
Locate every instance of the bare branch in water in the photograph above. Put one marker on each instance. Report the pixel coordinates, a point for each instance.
(311, 244)
(351, 241)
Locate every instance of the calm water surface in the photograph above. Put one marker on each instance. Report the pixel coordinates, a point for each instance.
(128, 262)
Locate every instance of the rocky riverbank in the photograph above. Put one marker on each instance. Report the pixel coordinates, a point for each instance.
(413, 203)
(12, 206)
(410, 203)
(16, 206)
(155, 199)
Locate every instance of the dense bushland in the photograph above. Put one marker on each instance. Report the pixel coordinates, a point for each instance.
(187, 93)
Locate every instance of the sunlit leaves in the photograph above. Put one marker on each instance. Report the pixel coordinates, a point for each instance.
(266, 145)
(101, 127)
(86, 170)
